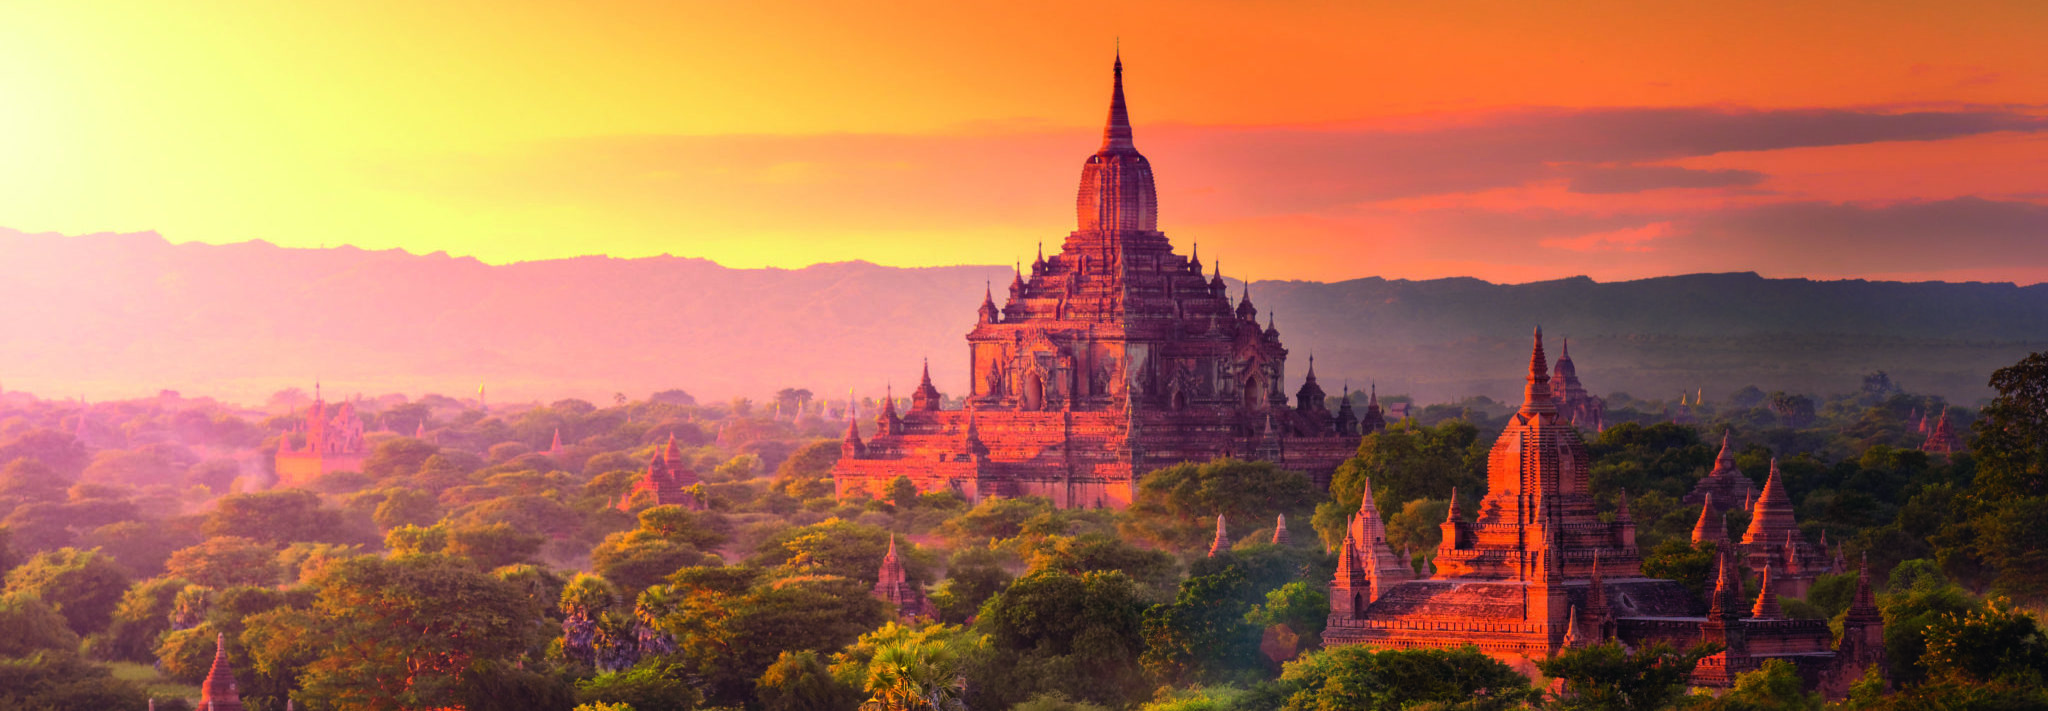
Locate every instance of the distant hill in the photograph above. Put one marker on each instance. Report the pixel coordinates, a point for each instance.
(122, 315)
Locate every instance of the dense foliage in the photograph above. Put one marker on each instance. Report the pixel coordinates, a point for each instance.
(470, 567)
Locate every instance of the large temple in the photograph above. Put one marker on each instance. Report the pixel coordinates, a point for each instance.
(1538, 570)
(1112, 357)
(334, 443)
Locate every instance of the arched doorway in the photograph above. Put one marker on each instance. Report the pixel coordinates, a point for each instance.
(1034, 392)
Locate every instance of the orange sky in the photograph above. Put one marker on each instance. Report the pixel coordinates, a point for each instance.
(1508, 141)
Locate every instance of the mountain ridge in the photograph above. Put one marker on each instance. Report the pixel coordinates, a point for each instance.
(124, 314)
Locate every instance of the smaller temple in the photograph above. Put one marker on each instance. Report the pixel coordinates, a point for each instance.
(666, 483)
(894, 587)
(1942, 440)
(1280, 537)
(1712, 526)
(1726, 485)
(334, 443)
(1222, 542)
(1574, 404)
(218, 692)
(1774, 541)
(555, 449)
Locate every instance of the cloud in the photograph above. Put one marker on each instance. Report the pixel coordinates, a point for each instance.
(1605, 180)
(1627, 239)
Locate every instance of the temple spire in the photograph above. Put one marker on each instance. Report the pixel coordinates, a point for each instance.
(1116, 136)
(1536, 397)
(1280, 536)
(1766, 600)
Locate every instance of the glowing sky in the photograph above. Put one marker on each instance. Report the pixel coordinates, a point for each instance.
(1508, 141)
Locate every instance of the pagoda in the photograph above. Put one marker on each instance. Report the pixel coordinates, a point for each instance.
(667, 482)
(1110, 358)
(1725, 486)
(1942, 439)
(334, 443)
(1774, 542)
(894, 587)
(1537, 571)
(218, 692)
(1578, 407)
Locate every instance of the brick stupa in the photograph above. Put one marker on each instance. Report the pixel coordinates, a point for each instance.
(1538, 571)
(667, 482)
(1574, 404)
(893, 586)
(1725, 485)
(1942, 439)
(334, 443)
(218, 692)
(1108, 359)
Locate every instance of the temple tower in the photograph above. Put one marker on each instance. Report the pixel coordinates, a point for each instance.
(893, 586)
(219, 691)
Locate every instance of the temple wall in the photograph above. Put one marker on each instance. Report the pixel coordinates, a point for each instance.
(295, 469)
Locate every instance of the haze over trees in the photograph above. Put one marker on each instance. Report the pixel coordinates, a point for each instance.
(473, 568)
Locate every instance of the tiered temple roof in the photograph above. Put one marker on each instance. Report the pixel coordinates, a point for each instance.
(666, 482)
(1725, 484)
(1538, 571)
(1109, 358)
(334, 443)
(1577, 406)
(1942, 439)
(893, 585)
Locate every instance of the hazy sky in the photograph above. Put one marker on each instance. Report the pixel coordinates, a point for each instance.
(1508, 141)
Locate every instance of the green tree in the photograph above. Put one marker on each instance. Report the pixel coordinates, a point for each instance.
(143, 614)
(83, 586)
(1177, 506)
(277, 517)
(730, 638)
(398, 633)
(1078, 635)
(1203, 636)
(398, 457)
(30, 479)
(1406, 462)
(227, 561)
(1774, 686)
(838, 548)
(1610, 678)
(1300, 607)
(1994, 643)
(1684, 561)
(32, 626)
(1365, 679)
(495, 545)
(653, 686)
(402, 507)
(63, 681)
(801, 681)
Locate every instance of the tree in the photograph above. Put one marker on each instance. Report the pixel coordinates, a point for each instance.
(731, 639)
(217, 475)
(403, 507)
(1202, 635)
(398, 632)
(398, 457)
(648, 687)
(1299, 607)
(1405, 462)
(31, 479)
(667, 539)
(227, 561)
(1365, 679)
(837, 548)
(1684, 561)
(1774, 686)
(806, 474)
(32, 626)
(83, 586)
(142, 548)
(495, 545)
(276, 517)
(1177, 506)
(59, 451)
(1994, 643)
(800, 681)
(51, 680)
(975, 575)
(143, 614)
(1608, 677)
(916, 676)
(1078, 635)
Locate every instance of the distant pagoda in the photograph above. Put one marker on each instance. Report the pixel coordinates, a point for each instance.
(334, 443)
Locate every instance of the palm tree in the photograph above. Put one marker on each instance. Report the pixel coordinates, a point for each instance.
(915, 676)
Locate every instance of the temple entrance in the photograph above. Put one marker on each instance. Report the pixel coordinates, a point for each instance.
(1034, 392)
(1254, 393)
